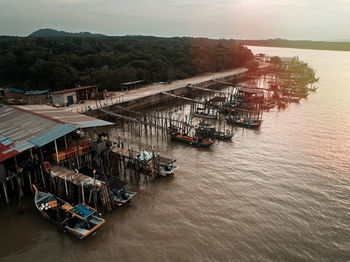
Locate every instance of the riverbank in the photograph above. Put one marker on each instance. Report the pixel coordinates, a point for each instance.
(299, 44)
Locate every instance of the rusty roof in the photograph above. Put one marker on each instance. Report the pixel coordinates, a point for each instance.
(74, 89)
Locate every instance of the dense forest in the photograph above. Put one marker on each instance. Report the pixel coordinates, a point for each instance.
(303, 44)
(57, 63)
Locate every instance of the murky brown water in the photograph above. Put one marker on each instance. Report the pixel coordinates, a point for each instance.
(278, 193)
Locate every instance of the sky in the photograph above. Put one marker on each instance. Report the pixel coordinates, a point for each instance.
(237, 19)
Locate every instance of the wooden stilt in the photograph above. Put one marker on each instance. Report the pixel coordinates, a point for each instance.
(5, 192)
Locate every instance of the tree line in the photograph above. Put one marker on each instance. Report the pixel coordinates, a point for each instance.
(65, 62)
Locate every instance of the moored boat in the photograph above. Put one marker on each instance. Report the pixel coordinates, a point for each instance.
(166, 165)
(242, 121)
(269, 105)
(195, 141)
(78, 220)
(121, 195)
(294, 99)
(118, 188)
(198, 140)
(205, 115)
(223, 135)
(313, 89)
(282, 104)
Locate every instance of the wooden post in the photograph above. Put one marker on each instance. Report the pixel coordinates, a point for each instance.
(41, 167)
(57, 158)
(5, 192)
(82, 192)
(65, 186)
(30, 181)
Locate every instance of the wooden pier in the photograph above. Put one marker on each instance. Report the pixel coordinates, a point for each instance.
(69, 184)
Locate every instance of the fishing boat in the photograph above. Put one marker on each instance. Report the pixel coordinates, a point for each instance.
(223, 135)
(313, 89)
(167, 168)
(198, 140)
(166, 165)
(294, 99)
(205, 115)
(195, 141)
(120, 194)
(243, 121)
(282, 104)
(208, 130)
(78, 220)
(118, 188)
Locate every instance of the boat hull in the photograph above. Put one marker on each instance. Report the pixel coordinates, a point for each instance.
(191, 141)
(224, 137)
(122, 199)
(207, 116)
(167, 170)
(56, 210)
(244, 123)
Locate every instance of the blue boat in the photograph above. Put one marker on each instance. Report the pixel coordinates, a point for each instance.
(78, 220)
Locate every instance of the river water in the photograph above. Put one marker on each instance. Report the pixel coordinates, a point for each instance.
(280, 193)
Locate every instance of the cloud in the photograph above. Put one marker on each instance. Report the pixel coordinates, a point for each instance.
(65, 2)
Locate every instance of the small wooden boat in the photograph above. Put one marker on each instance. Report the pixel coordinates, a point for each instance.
(117, 187)
(294, 99)
(205, 115)
(313, 89)
(78, 220)
(121, 195)
(282, 104)
(223, 135)
(200, 142)
(244, 122)
(166, 165)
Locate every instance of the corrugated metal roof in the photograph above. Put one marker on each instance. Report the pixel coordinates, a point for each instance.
(30, 92)
(52, 135)
(5, 141)
(16, 90)
(21, 130)
(20, 126)
(94, 123)
(5, 153)
(74, 89)
(23, 146)
(37, 92)
(73, 118)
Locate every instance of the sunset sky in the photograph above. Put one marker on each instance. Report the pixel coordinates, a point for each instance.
(239, 19)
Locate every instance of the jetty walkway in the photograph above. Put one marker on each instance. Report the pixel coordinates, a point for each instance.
(152, 89)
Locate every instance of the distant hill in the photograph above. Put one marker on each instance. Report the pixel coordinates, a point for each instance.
(55, 33)
(302, 44)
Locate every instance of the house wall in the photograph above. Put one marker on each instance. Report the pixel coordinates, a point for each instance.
(36, 99)
(62, 99)
(57, 99)
(29, 99)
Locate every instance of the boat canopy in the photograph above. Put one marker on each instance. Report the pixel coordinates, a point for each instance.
(82, 211)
